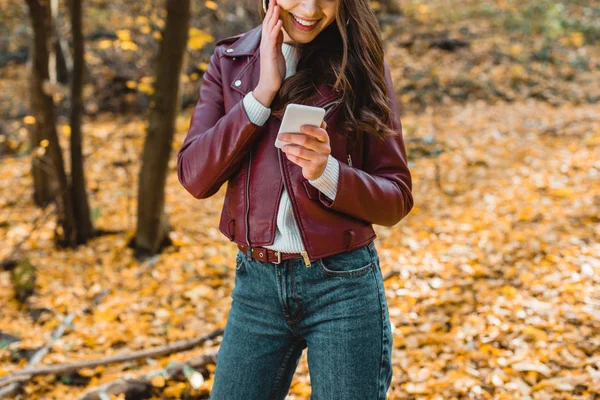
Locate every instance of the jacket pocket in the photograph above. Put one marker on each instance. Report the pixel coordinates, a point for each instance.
(311, 191)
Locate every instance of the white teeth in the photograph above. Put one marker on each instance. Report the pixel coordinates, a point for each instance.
(302, 22)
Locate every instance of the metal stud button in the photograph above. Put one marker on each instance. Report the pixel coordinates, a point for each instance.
(237, 83)
(229, 50)
(260, 254)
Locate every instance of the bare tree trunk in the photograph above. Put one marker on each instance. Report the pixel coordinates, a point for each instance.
(43, 110)
(59, 63)
(81, 208)
(41, 165)
(152, 223)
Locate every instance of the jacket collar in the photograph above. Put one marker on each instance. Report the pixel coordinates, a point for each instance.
(247, 44)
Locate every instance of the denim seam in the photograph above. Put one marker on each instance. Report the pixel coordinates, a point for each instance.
(279, 289)
(345, 274)
(372, 252)
(354, 273)
(380, 385)
(299, 286)
(295, 296)
(282, 367)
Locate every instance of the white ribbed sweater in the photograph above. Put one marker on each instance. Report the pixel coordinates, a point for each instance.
(287, 235)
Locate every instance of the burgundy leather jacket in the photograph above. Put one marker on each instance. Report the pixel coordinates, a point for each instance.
(223, 145)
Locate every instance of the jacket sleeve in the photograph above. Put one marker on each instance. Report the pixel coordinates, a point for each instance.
(381, 193)
(216, 142)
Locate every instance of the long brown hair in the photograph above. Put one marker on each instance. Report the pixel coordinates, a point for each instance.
(350, 60)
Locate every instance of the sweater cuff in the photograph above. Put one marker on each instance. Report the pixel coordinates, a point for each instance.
(328, 181)
(257, 112)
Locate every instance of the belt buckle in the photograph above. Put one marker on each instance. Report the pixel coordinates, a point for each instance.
(278, 257)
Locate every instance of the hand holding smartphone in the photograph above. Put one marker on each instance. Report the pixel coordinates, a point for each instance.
(297, 115)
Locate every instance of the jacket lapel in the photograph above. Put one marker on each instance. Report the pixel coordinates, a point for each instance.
(248, 45)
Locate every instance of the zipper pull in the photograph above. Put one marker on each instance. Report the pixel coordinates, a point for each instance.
(306, 259)
(349, 160)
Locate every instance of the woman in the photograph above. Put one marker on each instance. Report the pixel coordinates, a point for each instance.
(307, 270)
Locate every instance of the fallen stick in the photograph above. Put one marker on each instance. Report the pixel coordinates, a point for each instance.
(175, 347)
(131, 386)
(14, 386)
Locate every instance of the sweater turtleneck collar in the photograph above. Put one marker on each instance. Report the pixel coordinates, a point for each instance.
(290, 53)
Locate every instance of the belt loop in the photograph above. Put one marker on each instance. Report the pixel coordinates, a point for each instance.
(249, 253)
(371, 249)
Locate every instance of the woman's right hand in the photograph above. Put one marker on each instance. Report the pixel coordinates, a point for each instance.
(272, 61)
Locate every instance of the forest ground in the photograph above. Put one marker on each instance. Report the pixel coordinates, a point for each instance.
(496, 294)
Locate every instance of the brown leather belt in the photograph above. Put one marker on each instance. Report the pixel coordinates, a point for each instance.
(268, 255)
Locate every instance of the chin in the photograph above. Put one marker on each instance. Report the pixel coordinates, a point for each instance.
(302, 40)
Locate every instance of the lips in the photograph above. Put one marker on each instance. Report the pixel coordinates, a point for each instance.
(301, 27)
(300, 19)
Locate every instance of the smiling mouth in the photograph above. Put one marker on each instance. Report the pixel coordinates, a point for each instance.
(304, 22)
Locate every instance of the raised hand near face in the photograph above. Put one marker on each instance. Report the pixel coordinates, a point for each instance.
(272, 61)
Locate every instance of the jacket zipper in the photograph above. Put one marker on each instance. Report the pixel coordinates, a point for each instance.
(349, 157)
(248, 203)
(304, 253)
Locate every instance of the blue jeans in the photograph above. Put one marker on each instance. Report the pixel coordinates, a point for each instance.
(336, 307)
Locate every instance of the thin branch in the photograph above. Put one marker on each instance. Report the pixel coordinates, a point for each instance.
(129, 385)
(15, 386)
(170, 348)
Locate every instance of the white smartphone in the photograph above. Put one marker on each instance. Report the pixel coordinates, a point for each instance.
(297, 115)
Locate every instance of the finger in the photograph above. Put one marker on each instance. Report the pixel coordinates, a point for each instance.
(318, 133)
(324, 124)
(305, 142)
(265, 24)
(298, 161)
(300, 152)
(274, 16)
(276, 29)
(268, 18)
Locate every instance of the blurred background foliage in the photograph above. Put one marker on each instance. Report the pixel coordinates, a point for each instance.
(492, 279)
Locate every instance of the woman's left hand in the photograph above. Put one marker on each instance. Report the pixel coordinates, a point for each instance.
(309, 149)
